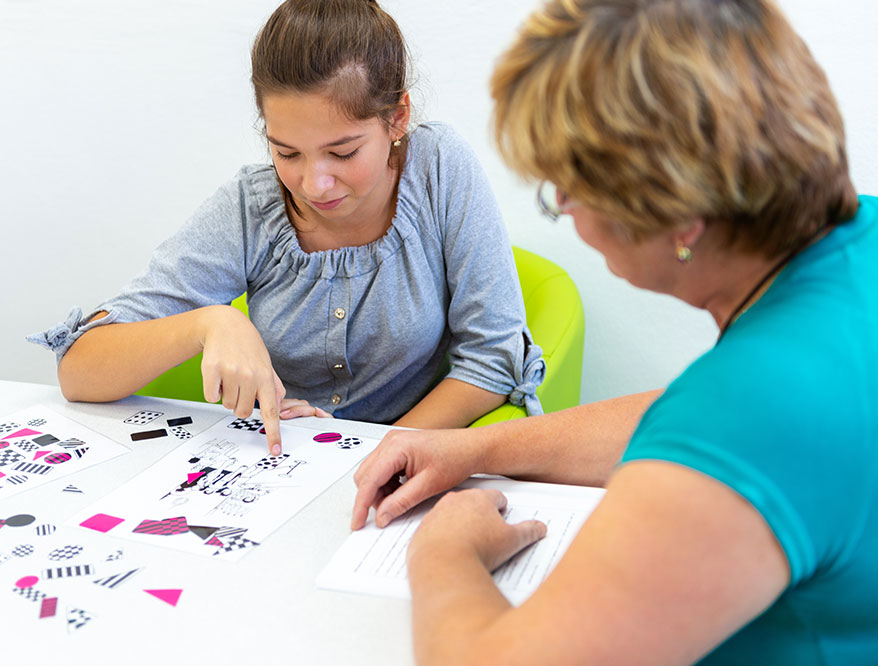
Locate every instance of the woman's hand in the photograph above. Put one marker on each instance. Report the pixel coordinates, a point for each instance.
(472, 521)
(431, 460)
(292, 408)
(236, 367)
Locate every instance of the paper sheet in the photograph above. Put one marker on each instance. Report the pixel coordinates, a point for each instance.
(219, 494)
(38, 446)
(372, 560)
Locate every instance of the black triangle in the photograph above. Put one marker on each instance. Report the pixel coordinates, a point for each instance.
(203, 531)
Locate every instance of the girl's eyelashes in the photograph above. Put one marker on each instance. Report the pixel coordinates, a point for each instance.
(290, 156)
(347, 156)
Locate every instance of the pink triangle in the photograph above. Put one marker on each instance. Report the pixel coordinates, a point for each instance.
(40, 454)
(22, 433)
(168, 596)
(192, 477)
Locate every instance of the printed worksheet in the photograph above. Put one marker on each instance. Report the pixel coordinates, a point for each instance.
(372, 560)
(38, 446)
(219, 494)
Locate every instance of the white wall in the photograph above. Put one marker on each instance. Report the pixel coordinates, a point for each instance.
(118, 118)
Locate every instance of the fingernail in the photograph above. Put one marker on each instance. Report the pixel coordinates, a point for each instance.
(275, 450)
(382, 520)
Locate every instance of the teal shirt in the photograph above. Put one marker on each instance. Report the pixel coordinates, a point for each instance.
(784, 410)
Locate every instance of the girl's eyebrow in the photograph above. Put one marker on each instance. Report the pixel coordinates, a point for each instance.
(331, 144)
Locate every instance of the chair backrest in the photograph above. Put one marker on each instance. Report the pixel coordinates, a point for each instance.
(554, 315)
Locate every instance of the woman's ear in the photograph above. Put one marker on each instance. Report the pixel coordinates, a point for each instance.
(689, 235)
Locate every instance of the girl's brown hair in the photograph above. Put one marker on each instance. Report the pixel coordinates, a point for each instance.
(350, 51)
(657, 112)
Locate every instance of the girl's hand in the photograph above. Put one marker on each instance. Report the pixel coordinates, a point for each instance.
(236, 367)
(291, 408)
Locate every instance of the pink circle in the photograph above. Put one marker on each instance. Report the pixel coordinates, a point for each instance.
(27, 581)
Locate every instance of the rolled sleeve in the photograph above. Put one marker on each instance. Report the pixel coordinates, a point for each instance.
(60, 337)
(490, 345)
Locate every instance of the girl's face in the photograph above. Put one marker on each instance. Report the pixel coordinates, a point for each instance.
(336, 168)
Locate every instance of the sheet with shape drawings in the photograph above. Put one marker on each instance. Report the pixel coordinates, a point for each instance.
(38, 445)
(220, 494)
(372, 560)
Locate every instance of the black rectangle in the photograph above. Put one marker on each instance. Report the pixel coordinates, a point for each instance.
(183, 420)
(148, 434)
(45, 440)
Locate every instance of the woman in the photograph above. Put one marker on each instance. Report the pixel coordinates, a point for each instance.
(369, 255)
(697, 146)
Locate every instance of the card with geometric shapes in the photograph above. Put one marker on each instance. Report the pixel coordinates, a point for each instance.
(222, 480)
(38, 446)
(142, 417)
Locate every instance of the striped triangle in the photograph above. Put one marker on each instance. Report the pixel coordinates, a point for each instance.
(115, 580)
(72, 489)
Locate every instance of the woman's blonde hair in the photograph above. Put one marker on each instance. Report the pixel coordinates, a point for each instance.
(658, 112)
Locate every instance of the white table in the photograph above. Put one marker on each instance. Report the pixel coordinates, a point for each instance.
(263, 609)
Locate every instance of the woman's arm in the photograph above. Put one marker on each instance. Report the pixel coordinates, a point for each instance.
(113, 361)
(580, 445)
(451, 404)
(669, 565)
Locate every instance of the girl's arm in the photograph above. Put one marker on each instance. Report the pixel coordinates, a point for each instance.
(451, 404)
(113, 361)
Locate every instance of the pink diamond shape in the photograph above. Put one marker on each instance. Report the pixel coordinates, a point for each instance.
(101, 522)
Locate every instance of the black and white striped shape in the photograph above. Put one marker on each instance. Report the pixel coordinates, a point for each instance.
(116, 579)
(33, 468)
(18, 478)
(45, 530)
(69, 571)
(72, 489)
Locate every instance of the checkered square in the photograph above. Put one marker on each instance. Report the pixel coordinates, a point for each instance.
(246, 424)
(8, 457)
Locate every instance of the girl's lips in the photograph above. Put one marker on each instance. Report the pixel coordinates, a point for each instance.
(327, 205)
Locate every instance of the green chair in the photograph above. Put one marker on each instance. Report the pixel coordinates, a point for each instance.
(554, 315)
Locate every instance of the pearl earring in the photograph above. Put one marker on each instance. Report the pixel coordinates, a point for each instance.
(684, 254)
(397, 143)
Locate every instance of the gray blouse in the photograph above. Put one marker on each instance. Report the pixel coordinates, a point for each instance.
(362, 332)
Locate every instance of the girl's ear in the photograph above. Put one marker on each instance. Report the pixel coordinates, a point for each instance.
(399, 122)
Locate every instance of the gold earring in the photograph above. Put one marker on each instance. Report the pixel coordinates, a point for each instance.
(397, 143)
(684, 254)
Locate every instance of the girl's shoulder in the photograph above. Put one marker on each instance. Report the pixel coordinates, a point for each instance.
(435, 138)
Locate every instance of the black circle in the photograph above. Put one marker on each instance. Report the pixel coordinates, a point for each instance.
(20, 520)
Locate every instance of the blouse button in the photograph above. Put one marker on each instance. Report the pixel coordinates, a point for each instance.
(339, 313)
(338, 366)
(336, 398)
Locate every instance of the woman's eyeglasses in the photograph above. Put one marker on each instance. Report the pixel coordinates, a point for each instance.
(553, 202)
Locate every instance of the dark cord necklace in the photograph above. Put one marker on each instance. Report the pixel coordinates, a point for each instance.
(787, 258)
